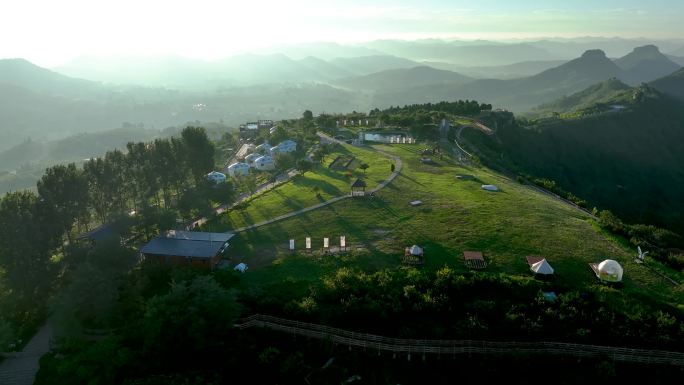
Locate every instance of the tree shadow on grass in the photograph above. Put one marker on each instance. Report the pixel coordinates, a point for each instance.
(402, 175)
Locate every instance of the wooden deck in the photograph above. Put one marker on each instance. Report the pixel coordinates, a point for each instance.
(454, 347)
(474, 259)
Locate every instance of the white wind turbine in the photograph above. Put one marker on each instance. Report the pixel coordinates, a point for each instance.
(641, 255)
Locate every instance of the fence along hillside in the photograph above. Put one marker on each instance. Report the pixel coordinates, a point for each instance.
(453, 347)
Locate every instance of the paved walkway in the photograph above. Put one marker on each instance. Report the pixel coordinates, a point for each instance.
(21, 368)
(397, 170)
(280, 179)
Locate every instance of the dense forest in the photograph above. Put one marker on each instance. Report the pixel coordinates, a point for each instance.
(172, 326)
(145, 189)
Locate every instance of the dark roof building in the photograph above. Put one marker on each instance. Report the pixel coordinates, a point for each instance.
(187, 247)
(101, 234)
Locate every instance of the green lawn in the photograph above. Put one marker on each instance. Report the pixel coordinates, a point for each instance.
(298, 193)
(456, 215)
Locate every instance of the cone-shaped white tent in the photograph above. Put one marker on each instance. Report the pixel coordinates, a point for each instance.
(610, 271)
(542, 267)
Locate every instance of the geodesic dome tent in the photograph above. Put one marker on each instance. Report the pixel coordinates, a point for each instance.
(610, 271)
(416, 250)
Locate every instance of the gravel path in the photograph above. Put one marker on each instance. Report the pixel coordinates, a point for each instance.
(397, 170)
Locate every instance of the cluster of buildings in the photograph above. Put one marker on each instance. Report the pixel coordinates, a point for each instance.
(261, 158)
(250, 129)
(386, 137)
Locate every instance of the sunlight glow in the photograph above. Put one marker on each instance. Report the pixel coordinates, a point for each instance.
(52, 32)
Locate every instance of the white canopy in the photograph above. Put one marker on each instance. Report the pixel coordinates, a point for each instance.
(610, 270)
(416, 250)
(542, 267)
(490, 187)
(241, 267)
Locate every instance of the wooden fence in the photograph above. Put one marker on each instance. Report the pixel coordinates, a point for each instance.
(454, 347)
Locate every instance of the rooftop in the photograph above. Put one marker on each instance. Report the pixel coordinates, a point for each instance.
(359, 183)
(187, 244)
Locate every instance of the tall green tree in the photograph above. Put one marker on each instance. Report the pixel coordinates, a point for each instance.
(27, 237)
(193, 318)
(64, 190)
(98, 175)
(199, 151)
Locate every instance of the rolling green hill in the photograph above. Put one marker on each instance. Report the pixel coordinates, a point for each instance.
(456, 215)
(604, 92)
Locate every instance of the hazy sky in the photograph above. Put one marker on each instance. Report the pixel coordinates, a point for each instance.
(50, 32)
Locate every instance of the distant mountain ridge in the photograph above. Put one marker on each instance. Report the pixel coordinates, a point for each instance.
(518, 94)
(22, 73)
(237, 71)
(401, 78)
(644, 64)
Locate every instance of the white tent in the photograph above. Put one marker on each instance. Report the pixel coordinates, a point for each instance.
(490, 187)
(416, 250)
(542, 267)
(241, 267)
(610, 271)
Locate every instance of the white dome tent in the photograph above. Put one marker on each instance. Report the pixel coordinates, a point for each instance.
(490, 187)
(416, 250)
(542, 267)
(610, 271)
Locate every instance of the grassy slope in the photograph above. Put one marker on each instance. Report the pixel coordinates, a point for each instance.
(611, 90)
(297, 193)
(456, 216)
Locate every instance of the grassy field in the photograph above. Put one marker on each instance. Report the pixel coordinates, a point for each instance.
(456, 215)
(299, 192)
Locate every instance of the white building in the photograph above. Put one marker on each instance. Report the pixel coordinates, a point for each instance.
(249, 159)
(284, 147)
(216, 177)
(264, 163)
(263, 148)
(238, 169)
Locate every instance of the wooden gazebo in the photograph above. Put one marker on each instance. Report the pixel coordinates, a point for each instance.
(358, 188)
